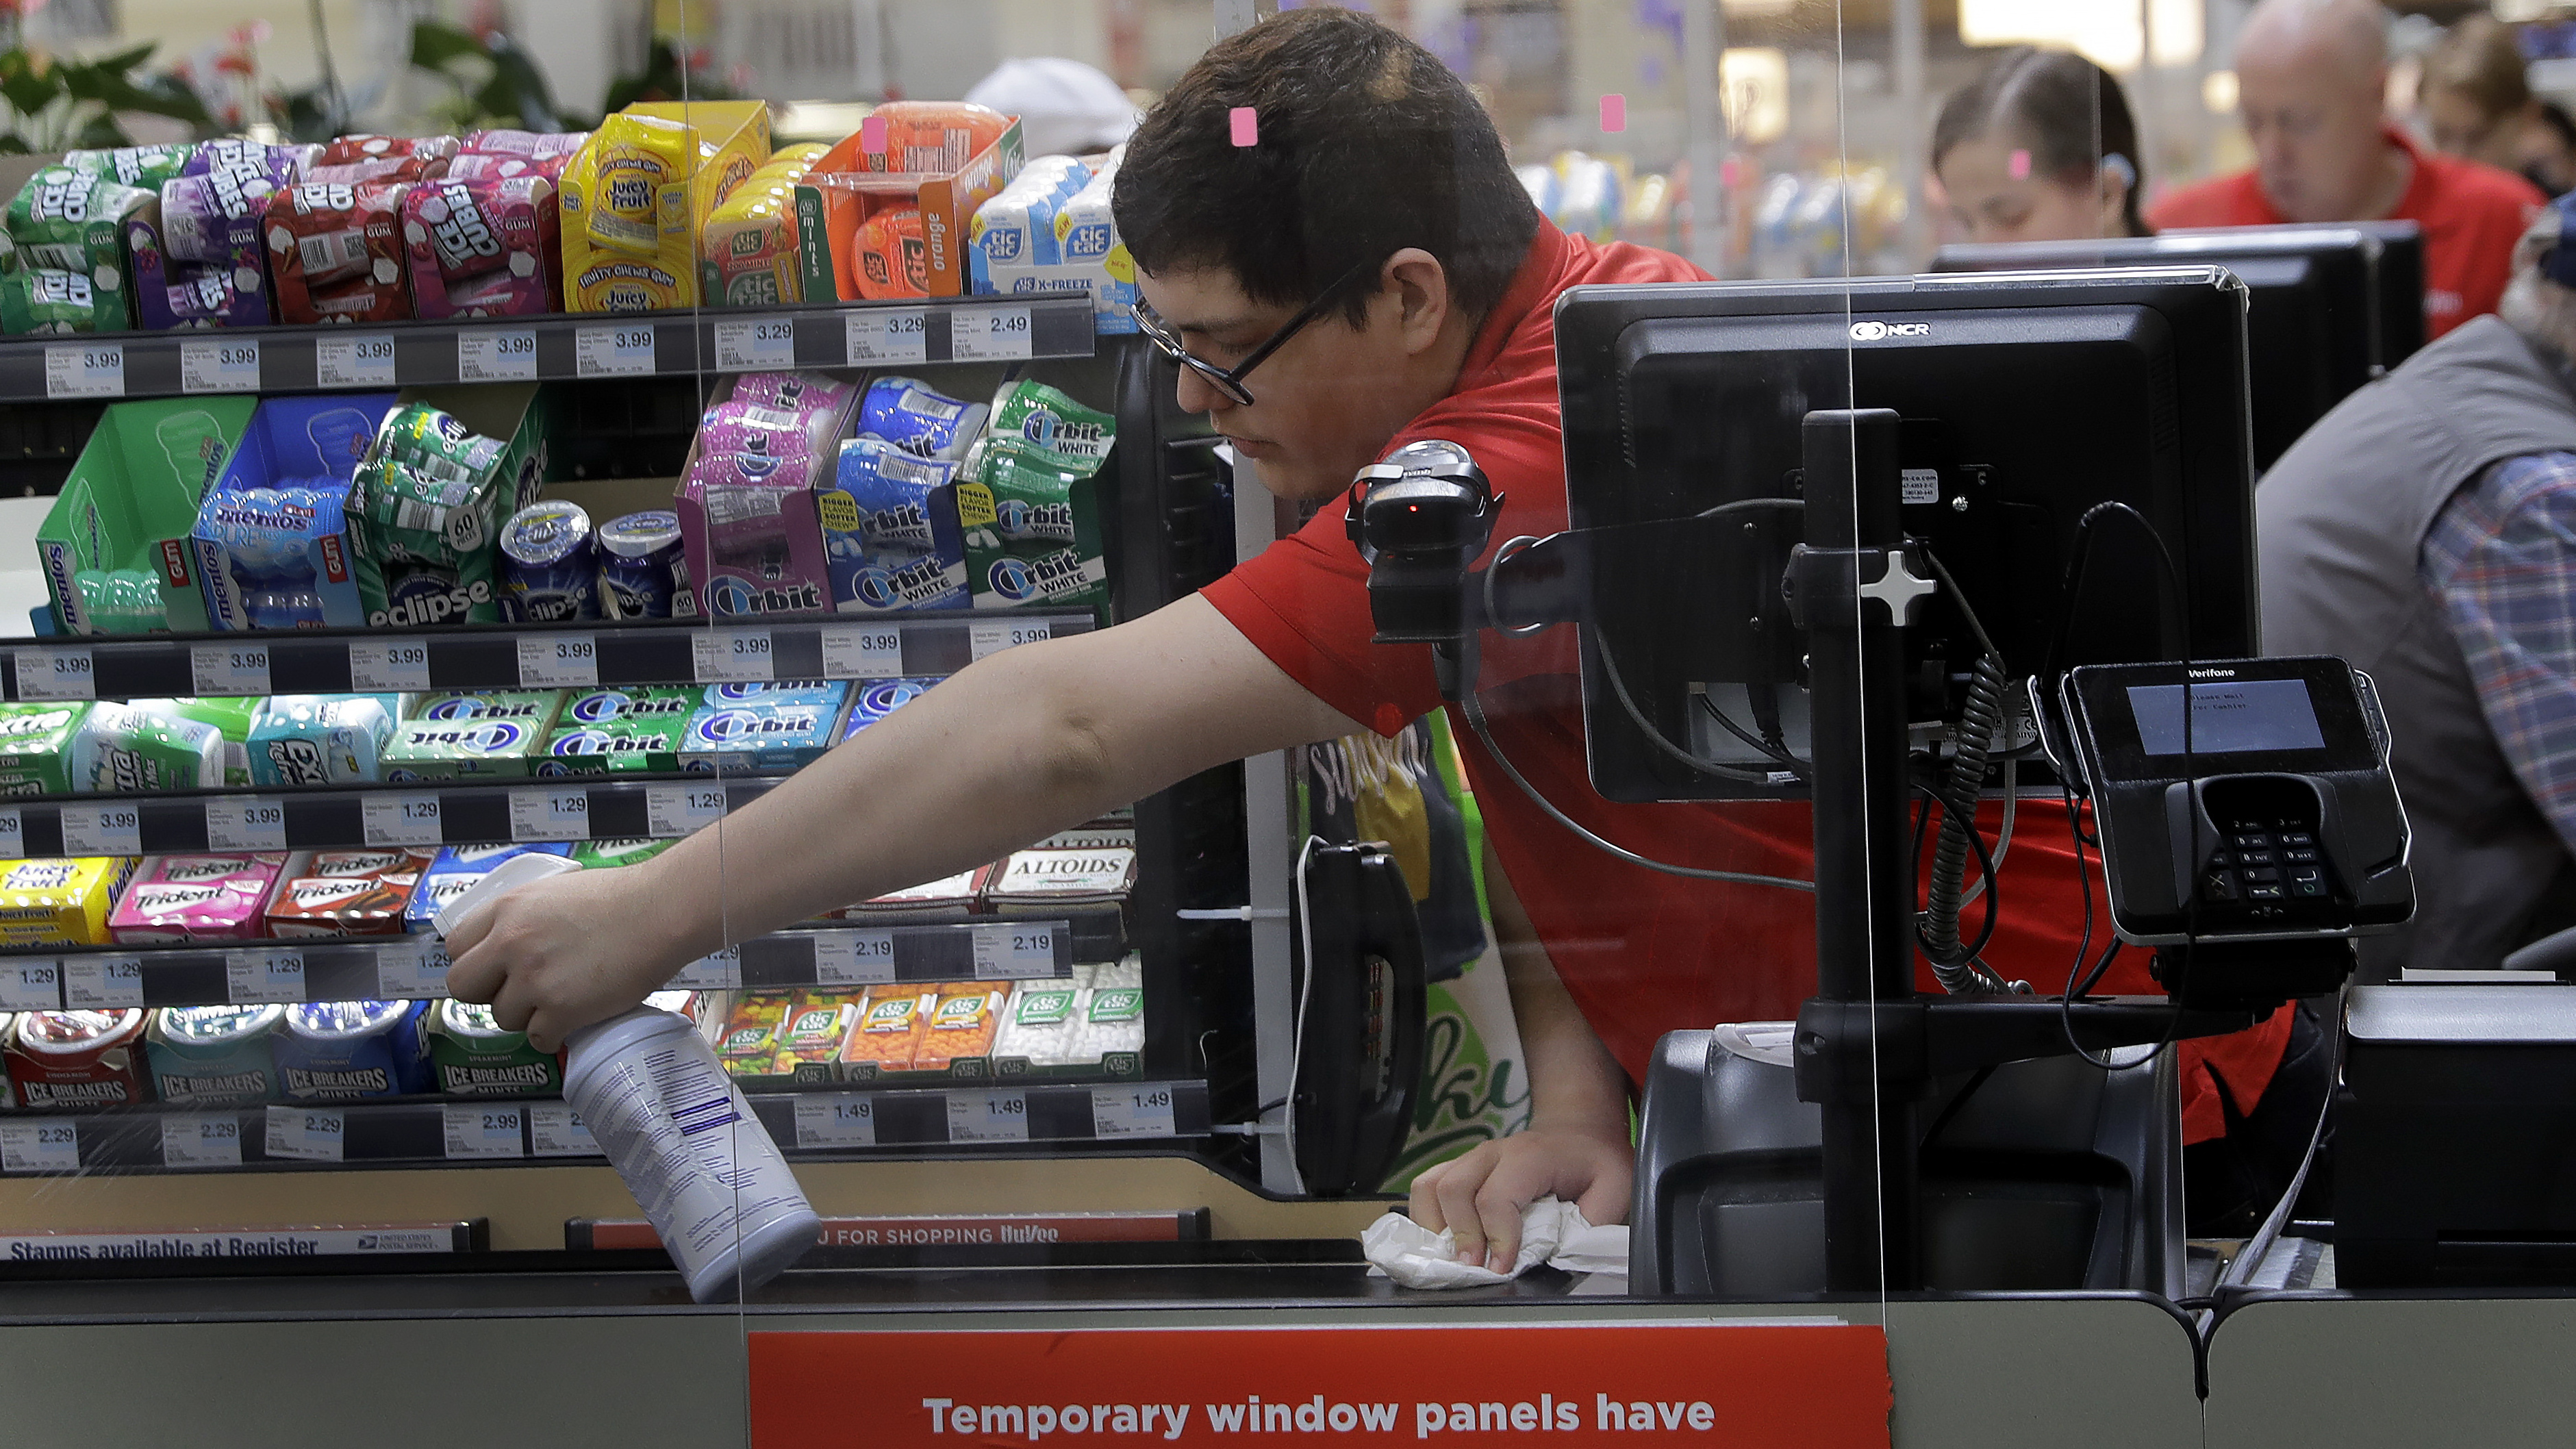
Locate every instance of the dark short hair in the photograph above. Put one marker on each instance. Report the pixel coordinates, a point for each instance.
(2066, 111)
(1366, 144)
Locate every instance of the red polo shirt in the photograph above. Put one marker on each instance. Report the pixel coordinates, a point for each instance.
(2472, 214)
(1641, 952)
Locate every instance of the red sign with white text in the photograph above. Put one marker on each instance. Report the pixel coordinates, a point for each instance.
(1622, 1386)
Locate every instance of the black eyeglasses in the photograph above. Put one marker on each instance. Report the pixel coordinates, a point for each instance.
(1229, 380)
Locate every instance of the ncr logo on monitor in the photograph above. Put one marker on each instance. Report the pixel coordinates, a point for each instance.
(1878, 331)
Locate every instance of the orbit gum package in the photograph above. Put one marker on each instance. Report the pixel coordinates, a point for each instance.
(1032, 528)
(336, 251)
(761, 735)
(746, 498)
(612, 731)
(483, 248)
(890, 536)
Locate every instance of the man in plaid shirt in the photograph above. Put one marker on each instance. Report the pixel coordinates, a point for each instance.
(2425, 530)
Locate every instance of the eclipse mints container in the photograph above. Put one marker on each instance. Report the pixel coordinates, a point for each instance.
(641, 573)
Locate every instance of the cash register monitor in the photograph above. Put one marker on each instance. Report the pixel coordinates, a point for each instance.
(2320, 320)
(2026, 398)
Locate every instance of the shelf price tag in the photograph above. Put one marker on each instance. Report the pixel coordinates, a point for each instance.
(233, 669)
(835, 1119)
(1131, 1111)
(988, 637)
(718, 971)
(307, 1134)
(988, 334)
(852, 651)
(55, 674)
(411, 970)
(198, 1139)
(556, 1130)
(485, 1129)
(853, 958)
(988, 1116)
(1015, 952)
(219, 365)
(752, 344)
(558, 661)
(102, 830)
(613, 351)
(674, 811)
(39, 1147)
(13, 835)
(388, 666)
(550, 814)
(731, 656)
(236, 824)
(31, 986)
(363, 361)
(102, 983)
(496, 356)
(399, 820)
(96, 369)
(260, 974)
(897, 335)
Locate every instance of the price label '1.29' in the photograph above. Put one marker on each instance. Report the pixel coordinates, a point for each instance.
(400, 820)
(31, 985)
(550, 814)
(673, 811)
(102, 983)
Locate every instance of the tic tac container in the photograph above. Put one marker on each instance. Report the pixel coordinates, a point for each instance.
(72, 1059)
(549, 564)
(335, 1050)
(699, 1163)
(641, 571)
(213, 1056)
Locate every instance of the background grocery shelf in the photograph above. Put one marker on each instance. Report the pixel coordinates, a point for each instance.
(409, 967)
(638, 652)
(830, 1122)
(547, 348)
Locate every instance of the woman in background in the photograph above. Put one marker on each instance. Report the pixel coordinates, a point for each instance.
(2475, 97)
(2041, 147)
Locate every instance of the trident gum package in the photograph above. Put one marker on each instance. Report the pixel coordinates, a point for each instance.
(345, 893)
(336, 251)
(456, 870)
(177, 898)
(483, 248)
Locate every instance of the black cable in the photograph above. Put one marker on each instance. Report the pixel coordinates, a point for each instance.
(1774, 750)
(1952, 1107)
(1655, 735)
(2079, 553)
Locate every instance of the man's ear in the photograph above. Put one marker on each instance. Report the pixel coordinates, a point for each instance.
(1419, 286)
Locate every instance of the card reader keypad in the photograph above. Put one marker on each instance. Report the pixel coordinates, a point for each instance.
(2267, 863)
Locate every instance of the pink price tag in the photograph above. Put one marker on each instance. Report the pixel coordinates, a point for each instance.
(1614, 113)
(872, 134)
(1246, 122)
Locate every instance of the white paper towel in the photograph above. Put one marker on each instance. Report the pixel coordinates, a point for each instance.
(1552, 1232)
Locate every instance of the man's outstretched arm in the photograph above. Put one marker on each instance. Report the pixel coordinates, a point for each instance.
(1022, 744)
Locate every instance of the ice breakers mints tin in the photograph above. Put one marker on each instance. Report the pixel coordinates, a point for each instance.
(641, 574)
(213, 1056)
(78, 1059)
(549, 564)
(339, 1049)
(471, 1055)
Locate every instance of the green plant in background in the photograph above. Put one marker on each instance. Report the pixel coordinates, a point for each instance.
(665, 79)
(54, 103)
(497, 84)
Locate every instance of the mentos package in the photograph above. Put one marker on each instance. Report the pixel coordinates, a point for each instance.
(60, 902)
(35, 747)
(336, 1050)
(484, 248)
(40, 300)
(336, 251)
(612, 731)
(763, 736)
(456, 870)
(1018, 226)
(121, 748)
(424, 515)
(196, 898)
(878, 698)
(271, 546)
(318, 739)
(213, 1056)
(890, 537)
(905, 411)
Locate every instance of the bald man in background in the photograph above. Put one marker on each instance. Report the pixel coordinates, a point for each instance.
(2310, 78)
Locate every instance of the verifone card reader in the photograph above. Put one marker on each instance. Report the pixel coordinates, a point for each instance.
(2241, 799)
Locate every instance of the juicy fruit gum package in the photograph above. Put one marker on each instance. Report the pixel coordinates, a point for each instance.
(336, 251)
(196, 898)
(634, 198)
(60, 902)
(1026, 501)
(483, 248)
(424, 515)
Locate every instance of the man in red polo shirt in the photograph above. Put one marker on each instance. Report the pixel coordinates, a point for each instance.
(1360, 271)
(2310, 77)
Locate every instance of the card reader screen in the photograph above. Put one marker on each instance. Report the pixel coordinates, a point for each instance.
(2227, 717)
